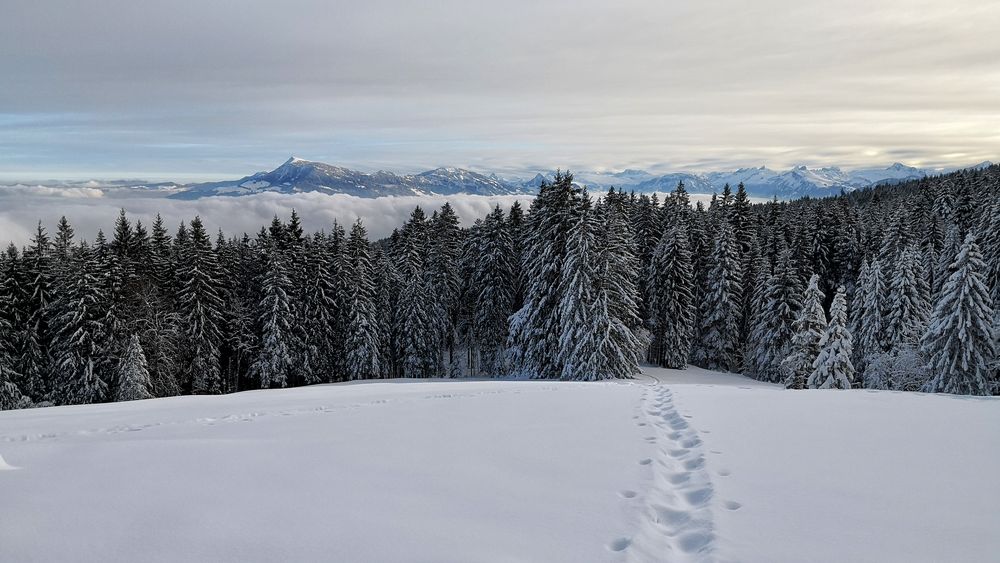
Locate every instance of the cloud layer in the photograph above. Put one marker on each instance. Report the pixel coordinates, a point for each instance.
(185, 89)
(21, 209)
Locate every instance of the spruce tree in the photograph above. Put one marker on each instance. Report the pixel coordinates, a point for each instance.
(580, 335)
(832, 368)
(773, 331)
(720, 319)
(77, 341)
(870, 308)
(132, 376)
(274, 360)
(810, 327)
(494, 286)
(419, 331)
(959, 343)
(34, 364)
(445, 239)
(534, 340)
(671, 300)
(10, 395)
(907, 304)
(320, 309)
(363, 332)
(200, 313)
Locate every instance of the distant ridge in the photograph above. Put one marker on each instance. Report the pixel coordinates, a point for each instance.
(297, 175)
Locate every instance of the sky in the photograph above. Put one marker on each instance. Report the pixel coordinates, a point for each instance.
(195, 90)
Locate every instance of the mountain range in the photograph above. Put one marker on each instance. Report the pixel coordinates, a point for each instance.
(297, 176)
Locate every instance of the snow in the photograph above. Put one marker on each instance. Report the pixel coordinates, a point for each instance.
(701, 467)
(827, 475)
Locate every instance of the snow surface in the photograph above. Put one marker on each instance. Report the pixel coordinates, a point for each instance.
(675, 466)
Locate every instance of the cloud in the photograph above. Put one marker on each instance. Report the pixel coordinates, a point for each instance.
(20, 213)
(169, 88)
(74, 192)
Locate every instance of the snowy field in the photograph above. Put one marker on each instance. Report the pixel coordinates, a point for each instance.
(676, 466)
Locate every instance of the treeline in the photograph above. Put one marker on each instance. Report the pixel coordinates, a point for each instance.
(888, 288)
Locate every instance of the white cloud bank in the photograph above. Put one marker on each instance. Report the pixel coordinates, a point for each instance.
(21, 209)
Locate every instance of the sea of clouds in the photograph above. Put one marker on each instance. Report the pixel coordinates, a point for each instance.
(90, 209)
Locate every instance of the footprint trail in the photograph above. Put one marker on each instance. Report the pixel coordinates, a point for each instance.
(676, 521)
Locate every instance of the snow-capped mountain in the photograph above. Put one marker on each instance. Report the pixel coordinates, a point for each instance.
(799, 181)
(895, 173)
(693, 183)
(763, 182)
(297, 175)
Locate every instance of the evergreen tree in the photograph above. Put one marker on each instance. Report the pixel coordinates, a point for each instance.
(200, 307)
(419, 330)
(868, 313)
(832, 368)
(76, 343)
(34, 363)
(133, 377)
(810, 327)
(445, 239)
(274, 361)
(363, 335)
(320, 308)
(10, 395)
(494, 286)
(959, 343)
(720, 318)
(515, 226)
(773, 333)
(671, 300)
(907, 305)
(535, 331)
(580, 322)
(159, 331)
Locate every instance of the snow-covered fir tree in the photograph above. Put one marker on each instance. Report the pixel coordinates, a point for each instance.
(76, 344)
(200, 312)
(363, 335)
(132, 377)
(274, 360)
(582, 326)
(868, 313)
(959, 343)
(671, 300)
(833, 368)
(11, 396)
(319, 339)
(618, 268)
(718, 339)
(535, 329)
(773, 325)
(810, 327)
(420, 332)
(907, 302)
(493, 286)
